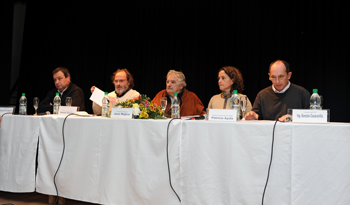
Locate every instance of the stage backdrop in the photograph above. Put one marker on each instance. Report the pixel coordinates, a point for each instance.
(149, 38)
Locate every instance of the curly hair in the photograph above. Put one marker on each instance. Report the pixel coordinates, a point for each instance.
(129, 77)
(236, 75)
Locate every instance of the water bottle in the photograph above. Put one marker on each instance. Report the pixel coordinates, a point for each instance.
(56, 103)
(315, 100)
(105, 105)
(175, 107)
(235, 103)
(23, 105)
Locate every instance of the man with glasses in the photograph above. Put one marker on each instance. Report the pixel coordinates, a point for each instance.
(123, 83)
(273, 102)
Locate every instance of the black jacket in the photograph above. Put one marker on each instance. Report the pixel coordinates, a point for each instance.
(73, 91)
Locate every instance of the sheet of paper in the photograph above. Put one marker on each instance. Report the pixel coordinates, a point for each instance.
(97, 96)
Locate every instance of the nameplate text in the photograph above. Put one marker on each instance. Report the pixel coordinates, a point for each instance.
(122, 113)
(66, 110)
(312, 116)
(222, 115)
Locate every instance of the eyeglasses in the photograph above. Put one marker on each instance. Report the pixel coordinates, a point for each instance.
(120, 81)
(279, 78)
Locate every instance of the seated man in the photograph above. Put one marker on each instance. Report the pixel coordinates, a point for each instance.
(190, 104)
(62, 80)
(273, 102)
(123, 83)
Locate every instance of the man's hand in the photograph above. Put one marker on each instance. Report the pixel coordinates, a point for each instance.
(285, 118)
(251, 116)
(92, 89)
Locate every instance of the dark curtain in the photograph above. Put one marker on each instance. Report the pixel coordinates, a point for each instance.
(94, 39)
(6, 16)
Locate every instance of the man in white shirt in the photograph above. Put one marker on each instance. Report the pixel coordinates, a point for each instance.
(123, 83)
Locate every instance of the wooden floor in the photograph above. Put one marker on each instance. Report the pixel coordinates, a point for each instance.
(8, 198)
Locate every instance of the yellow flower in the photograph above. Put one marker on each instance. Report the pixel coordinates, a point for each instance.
(135, 105)
(152, 108)
(144, 115)
(131, 100)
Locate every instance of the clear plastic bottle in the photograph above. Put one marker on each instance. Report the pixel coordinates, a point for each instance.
(56, 103)
(315, 100)
(105, 105)
(175, 107)
(235, 104)
(23, 105)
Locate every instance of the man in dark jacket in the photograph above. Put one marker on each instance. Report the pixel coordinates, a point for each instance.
(65, 88)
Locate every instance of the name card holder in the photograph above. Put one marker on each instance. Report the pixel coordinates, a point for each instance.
(7, 110)
(310, 116)
(66, 110)
(122, 113)
(222, 115)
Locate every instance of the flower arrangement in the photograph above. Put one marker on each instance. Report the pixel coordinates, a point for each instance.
(143, 108)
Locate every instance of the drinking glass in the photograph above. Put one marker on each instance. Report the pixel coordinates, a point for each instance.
(163, 103)
(36, 104)
(69, 101)
(243, 101)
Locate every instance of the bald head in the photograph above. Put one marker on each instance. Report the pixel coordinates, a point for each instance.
(279, 74)
(285, 64)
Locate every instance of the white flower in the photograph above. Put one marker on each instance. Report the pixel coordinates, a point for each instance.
(136, 110)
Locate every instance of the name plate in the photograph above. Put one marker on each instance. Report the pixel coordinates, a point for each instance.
(65, 110)
(7, 109)
(313, 116)
(122, 113)
(222, 115)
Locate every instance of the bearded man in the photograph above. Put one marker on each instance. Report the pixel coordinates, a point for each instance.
(123, 83)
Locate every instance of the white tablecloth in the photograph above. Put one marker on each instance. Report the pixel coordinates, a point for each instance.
(226, 163)
(109, 161)
(18, 147)
(321, 164)
(113, 161)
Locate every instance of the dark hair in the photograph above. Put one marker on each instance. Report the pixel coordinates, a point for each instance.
(236, 75)
(285, 65)
(129, 77)
(64, 70)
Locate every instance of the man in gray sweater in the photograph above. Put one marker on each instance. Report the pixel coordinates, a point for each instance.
(273, 102)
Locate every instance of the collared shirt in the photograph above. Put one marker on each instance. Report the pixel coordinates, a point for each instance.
(282, 91)
(61, 93)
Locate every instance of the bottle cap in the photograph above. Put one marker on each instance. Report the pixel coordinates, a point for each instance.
(175, 93)
(23, 94)
(57, 94)
(315, 90)
(234, 91)
(106, 93)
